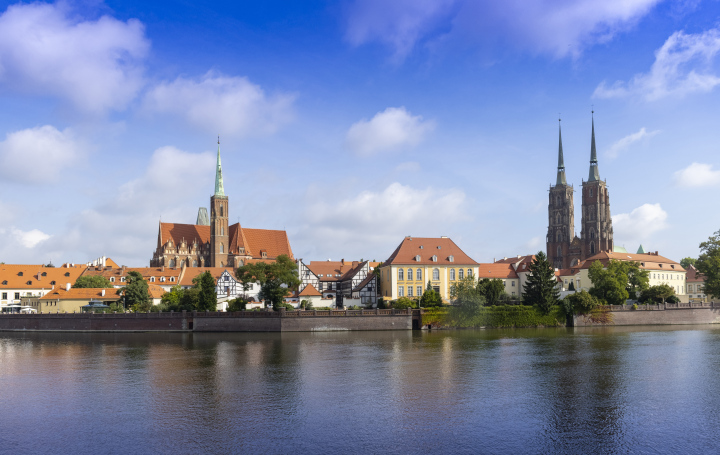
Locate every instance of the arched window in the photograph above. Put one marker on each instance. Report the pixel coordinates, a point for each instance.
(221, 211)
(469, 273)
(418, 274)
(452, 274)
(436, 274)
(410, 275)
(592, 248)
(194, 263)
(558, 236)
(592, 233)
(152, 279)
(172, 262)
(222, 248)
(461, 274)
(558, 219)
(401, 274)
(559, 251)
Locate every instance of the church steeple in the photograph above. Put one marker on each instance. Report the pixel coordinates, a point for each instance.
(594, 173)
(561, 162)
(219, 190)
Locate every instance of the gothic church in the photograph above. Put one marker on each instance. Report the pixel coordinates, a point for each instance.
(564, 248)
(211, 242)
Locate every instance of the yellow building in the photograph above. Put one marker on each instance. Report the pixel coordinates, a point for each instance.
(419, 260)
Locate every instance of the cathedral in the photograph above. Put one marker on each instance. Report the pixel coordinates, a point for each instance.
(211, 242)
(564, 248)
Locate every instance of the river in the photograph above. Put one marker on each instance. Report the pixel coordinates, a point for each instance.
(582, 390)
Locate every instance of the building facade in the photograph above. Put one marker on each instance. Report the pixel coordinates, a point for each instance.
(217, 244)
(564, 248)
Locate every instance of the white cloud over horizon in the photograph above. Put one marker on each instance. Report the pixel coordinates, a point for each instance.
(639, 225)
(683, 65)
(623, 144)
(38, 155)
(393, 129)
(215, 103)
(560, 29)
(697, 175)
(96, 65)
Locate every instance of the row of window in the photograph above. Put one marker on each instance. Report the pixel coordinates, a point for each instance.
(699, 288)
(435, 274)
(401, 291)
(152, 279)
(664, 276)
(5, 294)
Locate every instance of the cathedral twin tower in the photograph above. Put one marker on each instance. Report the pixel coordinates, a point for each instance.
(564, 248)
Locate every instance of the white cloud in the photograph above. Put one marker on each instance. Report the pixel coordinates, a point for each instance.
(683, 65)
(547, 26)
(28, 239)
(37, 155)
(375, 221)
(97, 65)
(217, 103)
(697, 175)
(627, 141)
(640, 224)
(393, 129)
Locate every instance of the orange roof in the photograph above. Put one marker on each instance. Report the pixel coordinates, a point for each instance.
(155, 291)
(648, 261)
(111, 294)
(192, 272)
(694, 275)
(332, 270)
(23, 276)
(496, 270)
(309, 291)
(515, 259)
(252, 241)
(146, 272)
(569, 272)
(111, 263)
(424, 248)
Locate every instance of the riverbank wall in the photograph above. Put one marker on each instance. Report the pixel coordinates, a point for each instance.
(660, 314)
(243, 321)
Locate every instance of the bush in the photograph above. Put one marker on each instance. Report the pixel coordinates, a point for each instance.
(505, 316)
(403, 303)
(238, 304)
(381, 304)
(673, 299)
(306, 305)
(579, 303)
(634, 306)
(287, 306)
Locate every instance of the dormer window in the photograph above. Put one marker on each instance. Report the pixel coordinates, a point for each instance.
(67, 273)
(152, 279)
(438, 247)
(29, 283)
(264, 254)
(44, 274)
(172, 279)
(421, 247)
(53, 283)
(4, 282)
(451, 258)
(417, 258)
(20, 274)
(112, 279)
(162, 279)
(122, 279)
(434, 258)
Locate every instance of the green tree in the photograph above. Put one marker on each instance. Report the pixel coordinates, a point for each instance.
(275, 278)
(708, 263)
(541, 286)
(492, 290)
(607, 286)
(135, 293)
(467, 296)
(93, 282)
(430, 297)
(207, 297)
(687, 262)
(237, 304)
(189, 299)
(579, 303)
(403, 303)
(659, 293)
(572, 285)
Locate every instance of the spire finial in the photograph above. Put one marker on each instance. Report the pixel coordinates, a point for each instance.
(219, 189)
(561, 162)
(594, 173)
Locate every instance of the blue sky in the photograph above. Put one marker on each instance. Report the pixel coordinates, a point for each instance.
(353, 123)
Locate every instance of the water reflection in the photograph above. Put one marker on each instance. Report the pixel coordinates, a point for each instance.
(595, 390)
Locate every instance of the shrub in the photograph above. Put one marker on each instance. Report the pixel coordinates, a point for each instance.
(403, 303)
(238, 304)
(287, 306)
(634, 306)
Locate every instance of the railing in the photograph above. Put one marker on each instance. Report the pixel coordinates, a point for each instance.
(238, 314)
(665, 306)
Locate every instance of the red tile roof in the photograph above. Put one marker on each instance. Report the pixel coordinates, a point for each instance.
(192, 272)
(332, 270)
(650, 261)
(146, 272)
(309, 291)
(111, 294)
(427, 247)
(24, 276)
(694, 275)
(496, 270)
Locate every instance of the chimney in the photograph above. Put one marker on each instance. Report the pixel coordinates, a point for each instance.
(342, 261)
(123, 271)
(102, 293)
(162, 269)
(67, 286)
(38, 276)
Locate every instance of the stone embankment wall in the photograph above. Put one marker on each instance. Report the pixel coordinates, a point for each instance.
(251, 321)
(667, 314)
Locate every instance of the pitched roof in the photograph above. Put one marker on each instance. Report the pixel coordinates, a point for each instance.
(146, 272)
(252, 241)
(309, 291)
(651, 261)
(694, 275)
(111, 294)
(30, 276)
(332, 270)
(365, 282)
(425, 248)
(192, 272)
(496, 270)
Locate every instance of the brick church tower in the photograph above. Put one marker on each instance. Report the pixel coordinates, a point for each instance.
(219, 235)
(597, 231)
(561, 213)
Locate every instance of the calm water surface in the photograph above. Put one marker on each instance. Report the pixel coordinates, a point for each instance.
(610, 390)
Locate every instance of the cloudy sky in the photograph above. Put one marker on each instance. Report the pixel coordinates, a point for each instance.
(354, 123)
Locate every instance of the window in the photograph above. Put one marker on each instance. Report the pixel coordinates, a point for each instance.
(53, 282)
(513, 285)
(222, 211)
(451, 258)
(418, 274)
(401, 291)
(21, 274)
(194, 264)
(410, 291)
(417, 258)
(172, 278)
(434, 258)
(162, 279)
(29, 282)
(436, 274)
(152, 279)
(410, 276)
(4, 282)
(172, 262)
(460, 274)
(222, 248)
(222, 230)
(591, 192)
(4, 295)
(452, 274)
(67, 273)
(122, 279)
(470, 273)
(401, 273)
(44, 274)
(419, 291)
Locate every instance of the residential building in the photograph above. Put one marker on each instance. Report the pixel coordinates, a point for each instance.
(695, 285)
(71, 300)
(27, 280)
(417, 261)
(502, 271)
(165, 277)
(227, 286)
(337, 281)
(218, 244)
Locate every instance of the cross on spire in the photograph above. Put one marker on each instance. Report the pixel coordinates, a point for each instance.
(219, 189)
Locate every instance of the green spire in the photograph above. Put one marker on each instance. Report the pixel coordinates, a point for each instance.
(641, 250)
(561, 162)
(594, 173)
(219, 190)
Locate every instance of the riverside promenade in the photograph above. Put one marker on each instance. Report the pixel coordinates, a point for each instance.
(210, 321)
